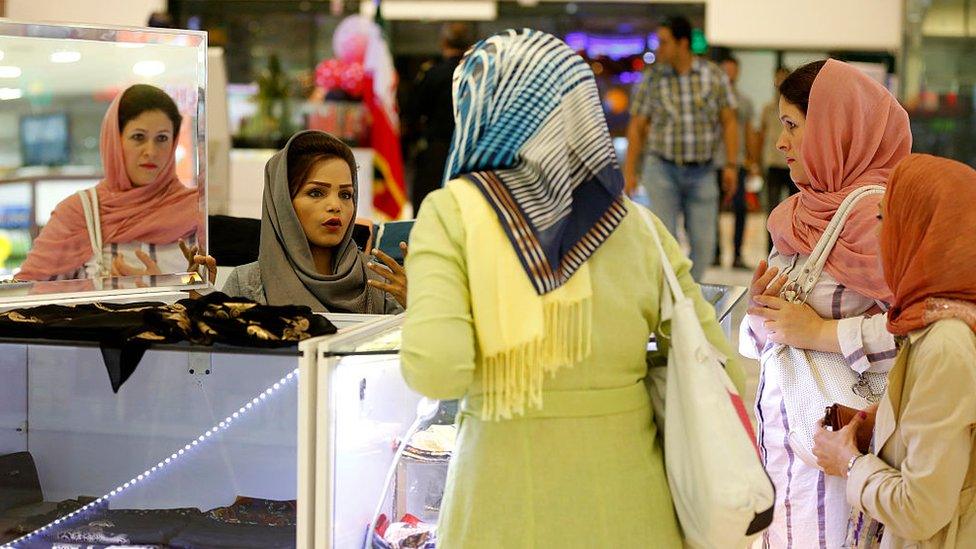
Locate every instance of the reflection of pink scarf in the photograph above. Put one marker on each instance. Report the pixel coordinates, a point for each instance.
(158, 213)
(855, 135)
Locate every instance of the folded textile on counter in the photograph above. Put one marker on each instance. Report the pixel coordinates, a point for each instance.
(125, 331)
(247, 523)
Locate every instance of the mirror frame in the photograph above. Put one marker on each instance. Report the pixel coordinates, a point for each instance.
(181, 282)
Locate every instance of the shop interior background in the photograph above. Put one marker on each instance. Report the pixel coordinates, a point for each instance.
(929, 66)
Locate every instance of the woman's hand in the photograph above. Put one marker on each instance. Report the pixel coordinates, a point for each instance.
(795, 324)
(764, 282)
(121, 268)
(834, 450)
(393, 273)
(195, 261)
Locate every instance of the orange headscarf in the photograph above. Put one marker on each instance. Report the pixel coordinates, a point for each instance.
(159, 213)
(927, 243)
(856, 133)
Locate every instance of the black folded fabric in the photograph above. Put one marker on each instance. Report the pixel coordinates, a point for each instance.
(213, 534)
(19, 484)
(127, 527)
(125, 331)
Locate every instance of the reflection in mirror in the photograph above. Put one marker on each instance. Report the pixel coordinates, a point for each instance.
(102, 154)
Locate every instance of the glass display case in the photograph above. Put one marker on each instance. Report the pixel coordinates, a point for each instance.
(198, 448)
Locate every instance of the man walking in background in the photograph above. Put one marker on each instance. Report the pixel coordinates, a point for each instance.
(746, 162)
(682, 108)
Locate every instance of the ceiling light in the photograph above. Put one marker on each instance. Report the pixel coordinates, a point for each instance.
(7, 94)
(149, 68)
(10, 72)
(65, 56)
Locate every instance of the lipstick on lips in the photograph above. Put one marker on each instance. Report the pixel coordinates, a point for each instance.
(148, 166)
(332, 224)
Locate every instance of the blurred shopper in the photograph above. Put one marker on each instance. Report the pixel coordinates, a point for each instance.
(774, 163)
(678, 110)
(556, 445)
(841, 131)
(920, 479)
(746, 162)
(429, 113)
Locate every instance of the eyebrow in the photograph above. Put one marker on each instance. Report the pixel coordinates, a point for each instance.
(327, 184)
(147, 131)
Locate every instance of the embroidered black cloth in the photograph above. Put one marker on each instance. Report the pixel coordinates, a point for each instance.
(125, 331)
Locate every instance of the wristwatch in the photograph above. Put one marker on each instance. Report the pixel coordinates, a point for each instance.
(850, 463)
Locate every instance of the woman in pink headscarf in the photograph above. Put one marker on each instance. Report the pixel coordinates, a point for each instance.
(841, 131)
(140, 219)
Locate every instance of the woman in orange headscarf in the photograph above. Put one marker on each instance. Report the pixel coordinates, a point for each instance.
(135, 216)
(920, 480)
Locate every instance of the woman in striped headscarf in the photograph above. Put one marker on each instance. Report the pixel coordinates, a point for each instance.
(534, 289)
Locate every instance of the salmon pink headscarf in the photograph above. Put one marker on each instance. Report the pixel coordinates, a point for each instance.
(927, 243)
(855, 135)
(159, 213)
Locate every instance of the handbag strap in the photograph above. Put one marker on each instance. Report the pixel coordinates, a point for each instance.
(89, 203)
(670, 278)
(815, 263)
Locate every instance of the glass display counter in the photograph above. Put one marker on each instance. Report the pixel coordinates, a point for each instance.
(308, 446)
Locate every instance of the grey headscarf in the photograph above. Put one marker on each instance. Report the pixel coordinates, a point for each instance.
(287, 269)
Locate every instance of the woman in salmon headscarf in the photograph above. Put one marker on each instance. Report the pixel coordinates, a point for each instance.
(842, 131)
(920, 479)
(132, 222)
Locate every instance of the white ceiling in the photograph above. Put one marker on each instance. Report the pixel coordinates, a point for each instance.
(102, 66)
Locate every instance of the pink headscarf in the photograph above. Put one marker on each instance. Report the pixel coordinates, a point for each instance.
(159, 213)
(856, 133)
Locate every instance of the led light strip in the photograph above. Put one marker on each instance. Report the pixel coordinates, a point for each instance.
(168, 461)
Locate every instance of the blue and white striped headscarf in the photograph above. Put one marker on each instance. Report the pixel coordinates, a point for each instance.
(531, 135)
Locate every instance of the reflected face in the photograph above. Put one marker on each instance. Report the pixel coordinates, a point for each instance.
(790, 140)
(325, 203)
(147, 143)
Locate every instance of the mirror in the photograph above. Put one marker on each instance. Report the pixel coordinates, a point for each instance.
(67, 226)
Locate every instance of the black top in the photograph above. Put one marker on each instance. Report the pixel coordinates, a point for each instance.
(430, 105)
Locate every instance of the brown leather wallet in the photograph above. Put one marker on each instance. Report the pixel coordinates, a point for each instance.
(836, 416)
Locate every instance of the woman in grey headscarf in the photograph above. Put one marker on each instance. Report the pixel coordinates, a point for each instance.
(307, 255)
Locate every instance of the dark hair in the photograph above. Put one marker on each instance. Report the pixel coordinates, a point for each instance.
(161, 20)
(310, 148)
(456, 36)
(796, 87)
(142, 98)
(731, 59)
(680, 28)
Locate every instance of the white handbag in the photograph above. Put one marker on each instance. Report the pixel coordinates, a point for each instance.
(813, 380)
(720, 490)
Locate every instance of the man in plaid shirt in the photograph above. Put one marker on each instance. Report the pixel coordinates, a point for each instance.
(680, 110)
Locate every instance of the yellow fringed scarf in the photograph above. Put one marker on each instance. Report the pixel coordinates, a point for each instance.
(522, 335)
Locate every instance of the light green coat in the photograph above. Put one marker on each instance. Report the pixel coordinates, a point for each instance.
(586, 470)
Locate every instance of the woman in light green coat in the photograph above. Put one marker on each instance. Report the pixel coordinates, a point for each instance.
(534, 289)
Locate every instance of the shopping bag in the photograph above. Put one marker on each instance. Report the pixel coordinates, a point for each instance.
(722, 495)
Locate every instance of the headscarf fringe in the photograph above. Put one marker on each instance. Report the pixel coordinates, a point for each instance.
(513, 379)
